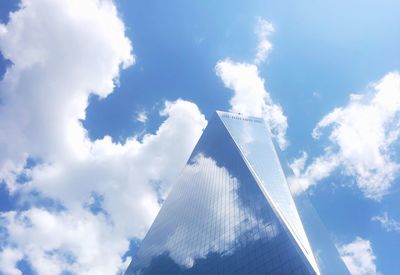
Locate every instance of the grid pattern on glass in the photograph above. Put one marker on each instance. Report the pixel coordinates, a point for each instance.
(255, 143)
(216, 220)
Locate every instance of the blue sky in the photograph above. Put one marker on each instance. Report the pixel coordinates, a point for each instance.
(71, 141)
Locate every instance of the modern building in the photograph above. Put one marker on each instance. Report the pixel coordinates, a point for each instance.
(231, 211)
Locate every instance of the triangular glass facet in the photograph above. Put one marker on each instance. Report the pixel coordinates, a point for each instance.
(221, 217)
(257, 149)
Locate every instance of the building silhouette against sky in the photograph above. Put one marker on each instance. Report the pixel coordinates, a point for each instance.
(231, 212)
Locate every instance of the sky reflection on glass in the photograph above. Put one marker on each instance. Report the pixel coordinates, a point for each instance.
(326, 254)
(217, 220)
(255, 143)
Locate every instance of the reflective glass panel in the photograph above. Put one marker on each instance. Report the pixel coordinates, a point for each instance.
(327, 256)
(217, 220)
(255, 143)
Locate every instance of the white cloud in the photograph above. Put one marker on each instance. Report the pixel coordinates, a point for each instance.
(57, 64)
(359, 257)
(307, 176)
(122, 175)
(298, 164)
(250, 96)
(142, 117)
(249, 92)
(388, 223)
(361, 136)
(8, 261)
(57, 242)
(263, 30)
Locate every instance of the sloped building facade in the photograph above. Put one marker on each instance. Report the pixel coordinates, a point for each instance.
(231, 211)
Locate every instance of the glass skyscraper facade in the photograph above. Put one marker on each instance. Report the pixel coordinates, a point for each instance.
(231, 212)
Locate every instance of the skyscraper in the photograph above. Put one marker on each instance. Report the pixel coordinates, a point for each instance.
(231, 212)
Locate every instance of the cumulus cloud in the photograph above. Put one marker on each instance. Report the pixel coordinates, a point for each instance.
(122, 176)
(250, 96)
(57, 242)
(388, 223)
(359, 257)
(361, 137)
(8, 261)
(98, 194)
(57, 63)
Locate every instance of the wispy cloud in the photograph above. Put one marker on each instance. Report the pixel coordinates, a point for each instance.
(263, 30)
(388, 223)
(142, 117)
